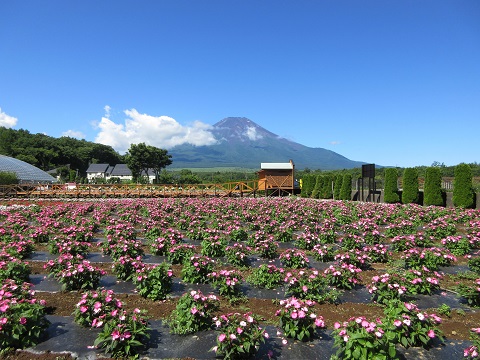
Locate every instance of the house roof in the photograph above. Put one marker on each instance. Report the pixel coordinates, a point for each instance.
(121, 170)
(98, 168)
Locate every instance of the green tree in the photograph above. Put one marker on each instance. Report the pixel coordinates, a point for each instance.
(410, 186)
(188, 177)
(338, 186)
(141, 157)
(308, 183)
(8, 178)
(463, 194)
(346, 190)
(326, 191)
(432, 190)
(319, 179)
(391, 186)
(165, 177)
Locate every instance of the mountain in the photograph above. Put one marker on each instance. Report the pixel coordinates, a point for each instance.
(243, 143)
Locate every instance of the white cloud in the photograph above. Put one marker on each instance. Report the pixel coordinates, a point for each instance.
(159, 131)
(7, 120)
(251, 133)
(74, 134)
(107, 111)
(334, 142)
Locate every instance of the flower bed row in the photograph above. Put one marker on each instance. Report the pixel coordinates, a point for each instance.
(413, 241)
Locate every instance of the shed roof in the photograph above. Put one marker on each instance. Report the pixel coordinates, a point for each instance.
(277, 166)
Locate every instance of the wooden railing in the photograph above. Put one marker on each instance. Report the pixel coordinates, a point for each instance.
(236, 188)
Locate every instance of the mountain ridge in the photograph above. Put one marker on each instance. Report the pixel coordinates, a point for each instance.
(243, 143)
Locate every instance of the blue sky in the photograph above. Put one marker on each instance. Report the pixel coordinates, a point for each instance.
(388, 82)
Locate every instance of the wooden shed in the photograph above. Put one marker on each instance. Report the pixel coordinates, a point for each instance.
(278, 177)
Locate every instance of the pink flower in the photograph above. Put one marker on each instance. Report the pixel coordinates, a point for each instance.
(431, 334)
(83, 309)
(23, 320)
(115, 334)
(194, 310)
(239, 330)
(97, 307)
(294, 315)
(221, 337)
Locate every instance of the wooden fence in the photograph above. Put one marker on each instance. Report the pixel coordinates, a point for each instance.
(236, 188)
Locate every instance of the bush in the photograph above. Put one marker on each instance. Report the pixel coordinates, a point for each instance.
(194, 312)
(391, 186)
(337, 186)
(410, 186)
(326, 191)
(433, 187)
(7, 178)
(319, 180)
(463, 195)
(346, 189)
(308, 183)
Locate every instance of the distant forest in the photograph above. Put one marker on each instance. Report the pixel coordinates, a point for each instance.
(72, 158)
(47, 153)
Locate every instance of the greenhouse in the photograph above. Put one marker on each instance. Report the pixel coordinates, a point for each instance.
(25, 172)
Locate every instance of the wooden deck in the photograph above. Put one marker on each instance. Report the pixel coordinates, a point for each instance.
(230, 189)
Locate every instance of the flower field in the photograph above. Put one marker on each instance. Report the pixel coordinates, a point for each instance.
(280, 278)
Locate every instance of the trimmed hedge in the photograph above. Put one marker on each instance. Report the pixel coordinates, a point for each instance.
(410, 186)
(318, 187)
(326, 191)
(463, 194)
(346, 189)
(308, 183)
(391, 186)
(337, 186)
(432, 190)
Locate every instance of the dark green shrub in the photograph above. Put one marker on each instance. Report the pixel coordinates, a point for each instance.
(7, 178)
(346, 189)
(463, 195)
(410, 186)
(326, 191)
(338, 186)
(432, 190)
(308, 183)
(391, 186)
(318, 186)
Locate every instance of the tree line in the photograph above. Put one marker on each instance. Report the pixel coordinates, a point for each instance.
(72, 157)
(47, 153)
